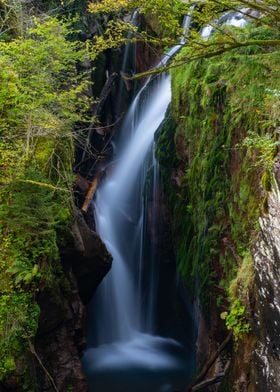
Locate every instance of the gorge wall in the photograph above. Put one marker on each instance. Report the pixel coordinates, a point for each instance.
(219, 209)
(51, 258)
(219, 166)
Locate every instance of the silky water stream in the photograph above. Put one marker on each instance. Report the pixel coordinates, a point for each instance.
(124, 353)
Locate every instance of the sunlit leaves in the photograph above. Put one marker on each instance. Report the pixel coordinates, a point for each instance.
(116, 34)
(111, 6)
(41, 98)
(166, 16)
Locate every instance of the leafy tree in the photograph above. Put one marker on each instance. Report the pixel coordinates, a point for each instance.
(168, 15)
(41, 98)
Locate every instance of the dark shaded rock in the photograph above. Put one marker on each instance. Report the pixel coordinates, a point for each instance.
(266, 357)
(10, 385)
(255, 366)
(87, 256)
(60, 338)
(61, 334)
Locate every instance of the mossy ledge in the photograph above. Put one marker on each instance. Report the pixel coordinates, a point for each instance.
(217, 150)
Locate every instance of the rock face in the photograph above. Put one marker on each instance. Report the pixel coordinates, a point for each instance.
(218, 191)
(61, 334)
(87, 257)
(60, 340)
(255, 366)
(267, 299)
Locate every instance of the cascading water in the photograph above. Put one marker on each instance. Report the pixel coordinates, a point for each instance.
(123, 354)
(233, 18)
(119, 217)
(126, 66)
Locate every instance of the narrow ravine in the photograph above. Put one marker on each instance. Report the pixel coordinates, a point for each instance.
(124, 350)
(139, 216)
(123, 353)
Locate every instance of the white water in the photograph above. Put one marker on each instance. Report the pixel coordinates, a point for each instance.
(119, 339)
(128, 51)
(119, 207)
(119, 218)
(236, 19)
(123, 353)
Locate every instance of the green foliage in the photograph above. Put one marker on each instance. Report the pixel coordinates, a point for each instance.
(18, 323)
(163, 20)
(166, 12)
(264, 147)
(226, 146)
(228, 38)
(11, 22)
(41, 98)
(42, 87)
(165, 17)
(236, 320)
(241, 285)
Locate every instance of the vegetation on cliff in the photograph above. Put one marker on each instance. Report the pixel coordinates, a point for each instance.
(225, 142)
(165, 17)
(41, 99)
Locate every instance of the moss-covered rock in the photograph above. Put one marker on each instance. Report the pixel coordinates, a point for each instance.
(38, 112)
(225, 129)
(223, 124)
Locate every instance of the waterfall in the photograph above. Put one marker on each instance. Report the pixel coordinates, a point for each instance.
(152, 210)
(119, 217)
(232, 18)
(125, 68)
(121, 344)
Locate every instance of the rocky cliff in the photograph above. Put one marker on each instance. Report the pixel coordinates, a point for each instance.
(218, 155)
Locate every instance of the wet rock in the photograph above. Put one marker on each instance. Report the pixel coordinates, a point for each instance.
(267, 304)
(60, 339)
(87, 257)
(61, 334)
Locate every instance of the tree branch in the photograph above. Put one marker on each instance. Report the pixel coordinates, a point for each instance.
(208, 382)
(33, 351)
(210, 363)
(210, 54)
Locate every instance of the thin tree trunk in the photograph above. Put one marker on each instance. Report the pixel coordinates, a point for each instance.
(209, 363)
(103, 96)
(90, 193)
(208, 382)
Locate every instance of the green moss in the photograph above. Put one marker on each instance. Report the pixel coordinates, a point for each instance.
(236, 320)
(19, 315)
(31, 219)
(40, 101)
(239, 286)
(266, 181)
(225, 117)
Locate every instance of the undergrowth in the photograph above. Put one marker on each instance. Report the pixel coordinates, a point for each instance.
(41, 98)
(226, 111)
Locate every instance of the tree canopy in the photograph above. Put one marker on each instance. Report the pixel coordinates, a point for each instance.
(41, 98)
(168, 16)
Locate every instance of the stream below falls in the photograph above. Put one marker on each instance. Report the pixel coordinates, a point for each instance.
(128, 350)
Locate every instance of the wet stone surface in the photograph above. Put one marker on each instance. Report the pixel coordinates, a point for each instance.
(267, 306)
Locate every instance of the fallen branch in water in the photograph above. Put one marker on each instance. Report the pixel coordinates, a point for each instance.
(208, 382)
(209, 364)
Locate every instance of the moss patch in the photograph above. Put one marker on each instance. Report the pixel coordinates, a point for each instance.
(218, 105)
(41, 98)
